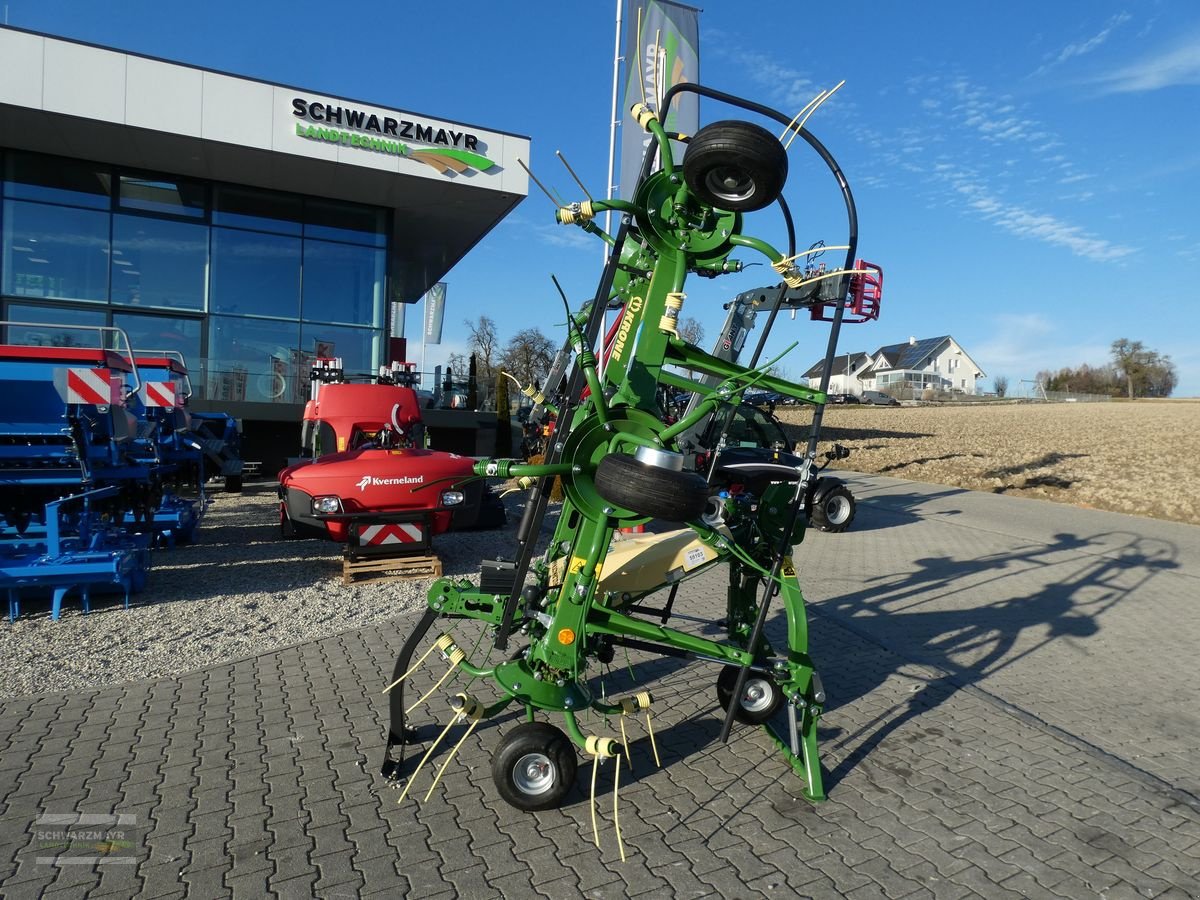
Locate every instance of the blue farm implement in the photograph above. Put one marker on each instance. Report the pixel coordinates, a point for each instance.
(78, 552)
(166, 435)
(200, 445)
(75, 463)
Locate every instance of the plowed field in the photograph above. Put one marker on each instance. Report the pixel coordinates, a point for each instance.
(1141, 458)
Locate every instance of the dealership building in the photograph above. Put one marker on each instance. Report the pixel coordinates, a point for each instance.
(251, 226)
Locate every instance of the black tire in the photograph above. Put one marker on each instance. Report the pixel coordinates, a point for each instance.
(833, 510)
(738, 166)
(287, 528)
(761, 696)
(492, 513)
(651, 491)
(534, 767)
(233, 484)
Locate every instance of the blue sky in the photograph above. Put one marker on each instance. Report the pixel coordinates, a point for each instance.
(1026, 173)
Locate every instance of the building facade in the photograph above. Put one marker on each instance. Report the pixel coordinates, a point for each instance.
(905, 371)
(251, 226)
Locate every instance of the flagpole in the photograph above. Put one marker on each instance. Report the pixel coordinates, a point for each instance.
(613, 123)
(424, 331)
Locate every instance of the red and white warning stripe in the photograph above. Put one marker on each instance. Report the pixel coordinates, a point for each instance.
(92, 386)
(159, 394)
(395, 533)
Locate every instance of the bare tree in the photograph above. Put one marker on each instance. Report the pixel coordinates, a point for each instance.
(1129, 358)
(483, 342)
(1000, 383)
(1146, 373)
(484, 346)
(457, 363)
(528, 355)
(691, 331)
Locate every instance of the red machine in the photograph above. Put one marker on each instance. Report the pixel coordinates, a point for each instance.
(368, 467)
(862, 301)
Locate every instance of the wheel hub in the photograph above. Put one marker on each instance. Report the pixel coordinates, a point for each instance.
(756, 696)
(729, 183)
(534, 774)
(838, 510)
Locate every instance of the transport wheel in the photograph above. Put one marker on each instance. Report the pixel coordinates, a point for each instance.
(760, 695)
(652, 491)
(738, 166)
(534, 766)
(834, 510)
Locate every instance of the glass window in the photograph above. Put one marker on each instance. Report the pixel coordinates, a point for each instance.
(358, 347)
(54, 251)
(161, 333)
(256, 360)
(32, 176)
(343, 284)
(157, 262)
(262, 210)
(49, 330)
(163, 195)
(345, 222)
(255, 274)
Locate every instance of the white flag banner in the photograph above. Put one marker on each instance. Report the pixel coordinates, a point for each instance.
(435, 309)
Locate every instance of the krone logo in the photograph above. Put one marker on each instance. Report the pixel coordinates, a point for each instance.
(635, 305)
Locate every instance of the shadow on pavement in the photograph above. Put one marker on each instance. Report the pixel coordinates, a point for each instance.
(889, 612)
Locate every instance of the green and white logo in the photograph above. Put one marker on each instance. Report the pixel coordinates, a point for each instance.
(449, 150)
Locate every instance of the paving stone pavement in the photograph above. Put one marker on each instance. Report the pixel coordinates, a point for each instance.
(969, 750)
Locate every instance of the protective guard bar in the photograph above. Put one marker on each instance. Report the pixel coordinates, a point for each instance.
(769, 586)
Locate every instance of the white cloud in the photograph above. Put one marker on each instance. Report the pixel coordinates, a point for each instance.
(1027, 223)
(1081, 48)
(1022, 345)
(567, 236)
(1177, 66)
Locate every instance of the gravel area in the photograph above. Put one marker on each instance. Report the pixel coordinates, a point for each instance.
(237, 591)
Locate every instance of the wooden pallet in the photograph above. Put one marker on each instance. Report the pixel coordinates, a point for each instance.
(390, 568)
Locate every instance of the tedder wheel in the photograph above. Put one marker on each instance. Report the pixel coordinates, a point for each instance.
(760, 695)
(534, 766)
(653, 491)
(738, 166)
(413, 725)
(833, 511)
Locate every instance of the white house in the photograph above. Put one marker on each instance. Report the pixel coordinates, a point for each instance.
(904, 370)
(844, 378)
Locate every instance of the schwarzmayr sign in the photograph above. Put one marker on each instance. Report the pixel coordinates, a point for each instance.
(449, 150)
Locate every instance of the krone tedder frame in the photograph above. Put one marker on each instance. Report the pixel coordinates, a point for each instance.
(620, 466)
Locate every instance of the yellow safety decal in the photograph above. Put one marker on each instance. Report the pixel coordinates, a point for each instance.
(341, 444)
(577, 563)
(788, 570)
